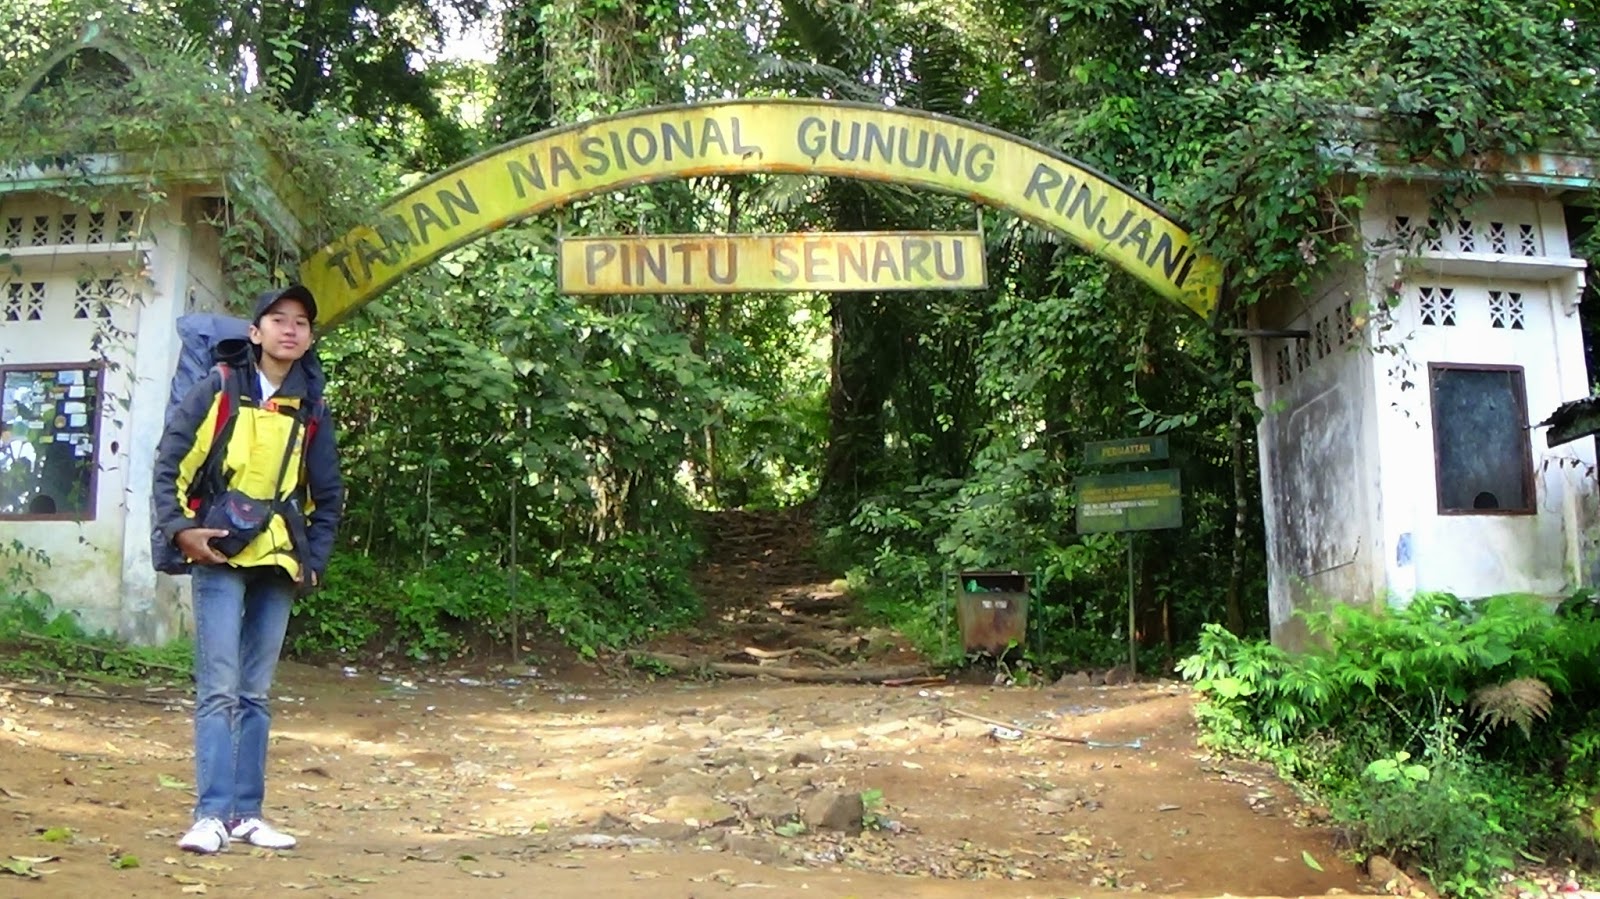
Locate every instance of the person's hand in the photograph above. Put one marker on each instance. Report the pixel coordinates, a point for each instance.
(195, 544)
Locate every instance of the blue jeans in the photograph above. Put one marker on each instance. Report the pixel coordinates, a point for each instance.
(240, 615)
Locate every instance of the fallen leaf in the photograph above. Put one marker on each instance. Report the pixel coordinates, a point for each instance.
(211, 866)
(341, 878)
(124, 862)
(1310, 862)
(170, 782)
(413, 857)
(57, 835)
(19, 867)
(1167, 807)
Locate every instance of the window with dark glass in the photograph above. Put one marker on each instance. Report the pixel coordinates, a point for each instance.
(1482, 457)
(49, 417)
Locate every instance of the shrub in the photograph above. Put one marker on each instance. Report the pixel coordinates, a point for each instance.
(45, 639)
(594, 598)
(1454, 734)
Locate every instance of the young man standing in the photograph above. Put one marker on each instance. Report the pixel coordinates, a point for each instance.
(255, 516)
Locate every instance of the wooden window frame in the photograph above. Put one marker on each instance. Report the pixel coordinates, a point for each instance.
(1529, 481)
(91, 510)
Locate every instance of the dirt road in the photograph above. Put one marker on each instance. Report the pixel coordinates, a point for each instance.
(511, 783)
(567, 780)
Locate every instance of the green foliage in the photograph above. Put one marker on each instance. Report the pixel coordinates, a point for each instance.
(497, 421)
(367, 59)
(169, 113)
(1388, 667)
(874, 810)
(768, 356)
(19, 564)
(1256, 697)
(1492, 77)
(1247, 127)
(598, 598)
(1460, 817)
(651, 666)
(40, 639)
(1397, 718)
(556, 429)
(1433, 86)
(1064, 365)
(347, 616)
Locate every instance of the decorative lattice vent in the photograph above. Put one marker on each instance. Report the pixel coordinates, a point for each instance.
(1498, 237)
(1439, 306)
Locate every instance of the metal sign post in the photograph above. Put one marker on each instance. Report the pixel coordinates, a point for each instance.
(1133, 624)
(1128, 501)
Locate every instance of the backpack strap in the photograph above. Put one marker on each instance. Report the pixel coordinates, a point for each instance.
(312, 418)
(209, 476)
(288, 453)
(293, 506)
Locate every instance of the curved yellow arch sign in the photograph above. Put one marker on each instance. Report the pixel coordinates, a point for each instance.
(813, 137)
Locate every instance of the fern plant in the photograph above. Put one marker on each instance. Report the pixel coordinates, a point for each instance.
(1519, 702)
(1390, 692)
(1254, 688)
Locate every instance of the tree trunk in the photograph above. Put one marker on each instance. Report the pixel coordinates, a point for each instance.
(864, 365)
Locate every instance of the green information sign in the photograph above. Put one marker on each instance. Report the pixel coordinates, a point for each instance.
(1132, 449)
(1130, 501)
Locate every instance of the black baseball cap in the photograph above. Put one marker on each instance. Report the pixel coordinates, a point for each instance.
(268, 299)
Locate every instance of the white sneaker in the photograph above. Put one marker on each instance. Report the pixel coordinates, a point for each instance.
(257, 832)
(205, 836)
